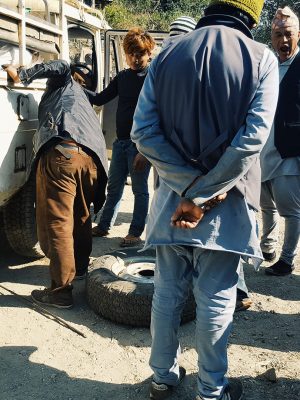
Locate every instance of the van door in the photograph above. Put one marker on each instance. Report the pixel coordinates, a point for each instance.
(114, 61)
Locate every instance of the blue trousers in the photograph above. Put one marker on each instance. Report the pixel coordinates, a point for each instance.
(281, 196)
(123, 155)
(213, 276)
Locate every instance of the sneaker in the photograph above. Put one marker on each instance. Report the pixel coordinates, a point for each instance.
(161, 391)
(243, 304)
(269, 256)
(234, 391)
(280, 268)
(61, 298)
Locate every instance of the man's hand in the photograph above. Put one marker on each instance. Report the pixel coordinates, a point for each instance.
(215, 201)
(140, 162)
(12, 72)
(187, 215)
(79, 79)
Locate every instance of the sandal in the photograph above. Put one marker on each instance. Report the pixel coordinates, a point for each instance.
(96, 231)
(130, 241)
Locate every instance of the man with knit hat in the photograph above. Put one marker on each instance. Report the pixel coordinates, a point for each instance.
(204, 133)
(280, 158)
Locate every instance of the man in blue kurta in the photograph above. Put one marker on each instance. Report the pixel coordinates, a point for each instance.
(203, 116)
(280, 158)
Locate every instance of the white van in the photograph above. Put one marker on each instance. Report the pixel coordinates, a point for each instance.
(31, 30)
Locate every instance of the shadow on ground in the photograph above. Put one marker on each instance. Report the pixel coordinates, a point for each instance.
(39, 381)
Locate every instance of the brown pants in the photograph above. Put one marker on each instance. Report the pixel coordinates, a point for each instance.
(65, 189)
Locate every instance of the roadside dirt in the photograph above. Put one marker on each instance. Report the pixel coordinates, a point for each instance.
(40, 359)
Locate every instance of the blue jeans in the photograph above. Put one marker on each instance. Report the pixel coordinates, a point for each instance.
(281, 196)
(123, 155)
(213, 276)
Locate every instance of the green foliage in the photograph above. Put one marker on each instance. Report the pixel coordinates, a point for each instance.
(158, 14)
(151, 14)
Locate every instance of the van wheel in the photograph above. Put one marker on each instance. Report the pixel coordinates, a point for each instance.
(20, 222)
(120, 287)
(5, 246)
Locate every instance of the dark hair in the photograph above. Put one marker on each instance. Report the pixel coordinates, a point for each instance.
(230, 10)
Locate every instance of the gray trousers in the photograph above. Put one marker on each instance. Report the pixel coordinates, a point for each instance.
(281, 196)
(213, 276)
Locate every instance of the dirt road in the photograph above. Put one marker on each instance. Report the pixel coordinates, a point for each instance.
(42, 360)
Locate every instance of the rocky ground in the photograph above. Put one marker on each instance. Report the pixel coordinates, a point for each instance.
(41, 359)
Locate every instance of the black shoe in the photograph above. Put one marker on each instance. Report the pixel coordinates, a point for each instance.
(161, 391)
(234, 391)
(243, 304)
(269, 256)
(280, 268)
(61, 298)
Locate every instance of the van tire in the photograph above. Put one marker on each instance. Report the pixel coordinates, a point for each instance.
(5, 246)
(124, 300)
(20, 222)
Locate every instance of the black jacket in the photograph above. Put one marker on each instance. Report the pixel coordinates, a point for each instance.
(127, 85)
(287, 118)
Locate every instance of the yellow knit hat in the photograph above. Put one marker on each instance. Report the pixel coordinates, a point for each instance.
(251, 7)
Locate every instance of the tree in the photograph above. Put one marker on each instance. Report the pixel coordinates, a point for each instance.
(158, 14)
(151, 14)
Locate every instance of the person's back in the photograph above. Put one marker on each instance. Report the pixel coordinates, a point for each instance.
(218, 70)
(64, 110)
(203, 116)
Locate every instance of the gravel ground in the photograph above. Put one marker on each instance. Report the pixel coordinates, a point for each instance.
(41, 359)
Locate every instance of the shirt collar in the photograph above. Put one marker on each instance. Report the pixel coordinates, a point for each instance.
(227, 20)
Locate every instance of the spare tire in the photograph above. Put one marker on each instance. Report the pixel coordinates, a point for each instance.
(20, 222)
(120, 287)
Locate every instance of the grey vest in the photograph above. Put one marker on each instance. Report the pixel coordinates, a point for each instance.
(204, 88)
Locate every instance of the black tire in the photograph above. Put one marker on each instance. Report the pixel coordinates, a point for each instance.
(115, 294)
(5, 246)
(20, 222)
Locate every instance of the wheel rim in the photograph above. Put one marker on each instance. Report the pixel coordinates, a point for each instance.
(135, 269)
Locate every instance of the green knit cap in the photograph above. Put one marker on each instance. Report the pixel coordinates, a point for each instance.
(251, 7)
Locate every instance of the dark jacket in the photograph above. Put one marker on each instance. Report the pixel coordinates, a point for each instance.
(227, 64)
(64, 110)
(65, 113)
(287, 118)
(127, 85)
